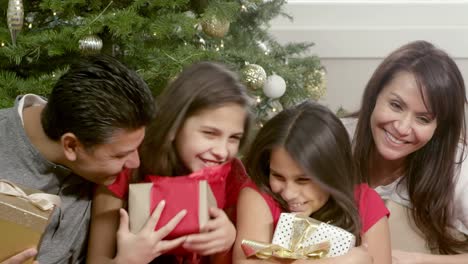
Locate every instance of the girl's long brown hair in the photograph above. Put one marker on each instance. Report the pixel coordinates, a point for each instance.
(316, 139)
(201, 86)
(430, 172)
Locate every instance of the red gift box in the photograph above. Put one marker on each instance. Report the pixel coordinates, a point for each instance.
(195, 196)
(216, 186)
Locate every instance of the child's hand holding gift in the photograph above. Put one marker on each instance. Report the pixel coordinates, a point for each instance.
(218, 235)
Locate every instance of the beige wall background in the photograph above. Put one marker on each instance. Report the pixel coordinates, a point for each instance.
(352, 37)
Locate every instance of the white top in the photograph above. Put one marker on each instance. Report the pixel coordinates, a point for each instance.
(29, 100)
(399, 194)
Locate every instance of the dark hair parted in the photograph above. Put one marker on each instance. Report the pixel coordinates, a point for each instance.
(317, 140)
(96, 97)
(201, 86)
(430, 171)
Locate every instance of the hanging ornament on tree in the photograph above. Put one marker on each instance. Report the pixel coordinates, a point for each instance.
(254, 76)
(215, 27)
(90, 44)
(274, 87)
(314, 83)
(15, 17)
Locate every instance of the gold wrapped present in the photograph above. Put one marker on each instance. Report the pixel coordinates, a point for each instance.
(301, 237)
(24, 215)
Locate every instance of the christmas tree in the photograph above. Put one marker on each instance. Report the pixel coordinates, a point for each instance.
(39, 39)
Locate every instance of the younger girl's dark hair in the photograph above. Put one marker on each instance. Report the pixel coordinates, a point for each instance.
(317, 140)
(201, 86)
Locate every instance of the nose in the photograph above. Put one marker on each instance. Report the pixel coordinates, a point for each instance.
(133, 160)
(289, 192)
(220, 150)
(403, 125)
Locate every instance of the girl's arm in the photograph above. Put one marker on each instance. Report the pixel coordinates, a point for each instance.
(255, 222)
(403, 257)
(377, 240)
(104, 224)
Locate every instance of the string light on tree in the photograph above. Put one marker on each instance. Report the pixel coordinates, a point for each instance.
(274, 107)
(274, 87)
(263, 47)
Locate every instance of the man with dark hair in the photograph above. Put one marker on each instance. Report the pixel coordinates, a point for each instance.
(86, 134)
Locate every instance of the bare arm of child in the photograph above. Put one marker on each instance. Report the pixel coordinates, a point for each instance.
(403, 257)
(255, 222)
(377, 240)
(111, 242)
(104, 225)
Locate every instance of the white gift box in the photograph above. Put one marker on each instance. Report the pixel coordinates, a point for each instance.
(341, 241)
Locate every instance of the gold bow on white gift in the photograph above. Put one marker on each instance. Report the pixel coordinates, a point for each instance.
(43, 201)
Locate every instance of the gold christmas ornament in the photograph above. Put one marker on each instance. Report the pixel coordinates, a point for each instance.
(215, 27)
(90, 44)
(254, 76)
(315, 84)
(15, 17)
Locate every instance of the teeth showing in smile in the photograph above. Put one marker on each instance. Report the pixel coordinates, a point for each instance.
(293, 206)
(210, 163)
(393, 139)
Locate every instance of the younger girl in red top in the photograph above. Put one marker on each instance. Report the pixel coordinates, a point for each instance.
(301, 162)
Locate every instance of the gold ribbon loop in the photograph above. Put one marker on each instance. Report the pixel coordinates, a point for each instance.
(266, 251)
(43, 201)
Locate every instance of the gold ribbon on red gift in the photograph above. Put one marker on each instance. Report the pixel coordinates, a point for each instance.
(302, 228)
(43, 201)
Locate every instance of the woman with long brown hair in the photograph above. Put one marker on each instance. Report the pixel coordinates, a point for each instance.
(409, 145)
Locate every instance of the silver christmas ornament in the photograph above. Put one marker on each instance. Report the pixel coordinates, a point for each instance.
(15, 18)
(90, 44)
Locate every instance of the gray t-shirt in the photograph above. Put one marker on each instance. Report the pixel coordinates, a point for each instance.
(65, 238)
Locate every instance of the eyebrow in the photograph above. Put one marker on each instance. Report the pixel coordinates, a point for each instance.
(406, 105)
(294, 176)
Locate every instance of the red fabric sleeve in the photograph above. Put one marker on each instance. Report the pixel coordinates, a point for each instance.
(120, 186)
(234, 182)
(371, 206)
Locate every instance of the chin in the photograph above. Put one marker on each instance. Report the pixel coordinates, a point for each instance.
(391, 155)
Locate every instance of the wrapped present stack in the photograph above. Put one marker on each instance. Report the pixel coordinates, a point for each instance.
(24, 215)
(301, 237)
